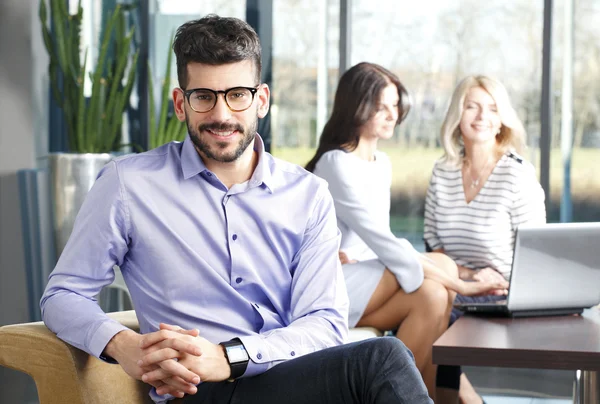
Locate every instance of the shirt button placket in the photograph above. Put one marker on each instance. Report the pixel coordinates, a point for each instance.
(238, 279)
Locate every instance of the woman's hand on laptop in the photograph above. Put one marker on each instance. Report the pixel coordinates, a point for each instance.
(498, 287)
(488, 275)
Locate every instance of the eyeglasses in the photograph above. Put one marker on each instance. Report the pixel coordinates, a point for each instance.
(238, 99)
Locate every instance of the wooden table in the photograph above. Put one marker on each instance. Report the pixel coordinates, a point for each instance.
(566, 342)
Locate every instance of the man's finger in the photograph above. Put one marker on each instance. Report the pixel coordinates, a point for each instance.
(161, 374)
(176, 369)
(156, 337)
(176, 387)
(158, 356)
(168, 349)
(194, 332)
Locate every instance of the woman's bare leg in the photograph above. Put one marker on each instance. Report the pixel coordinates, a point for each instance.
(467, 393)
(420, 315)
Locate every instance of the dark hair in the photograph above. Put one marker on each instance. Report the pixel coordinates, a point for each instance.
(215, 40)
(356, 101)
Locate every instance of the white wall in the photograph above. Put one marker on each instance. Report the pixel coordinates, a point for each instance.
(22, 116)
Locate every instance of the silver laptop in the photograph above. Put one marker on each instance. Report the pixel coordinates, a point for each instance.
(555, 271)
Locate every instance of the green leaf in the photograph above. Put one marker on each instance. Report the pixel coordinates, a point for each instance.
(123, 99)
(80, 133)
(93, 124)
(152, 140)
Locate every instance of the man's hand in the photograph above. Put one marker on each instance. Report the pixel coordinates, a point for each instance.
(208, 361)
(125, 348)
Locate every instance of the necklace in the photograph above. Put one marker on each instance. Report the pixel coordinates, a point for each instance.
(475, 181)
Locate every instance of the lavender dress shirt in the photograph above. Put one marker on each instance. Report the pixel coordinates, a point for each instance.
(258, 261)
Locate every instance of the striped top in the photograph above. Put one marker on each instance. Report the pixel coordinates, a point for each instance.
(481, 233)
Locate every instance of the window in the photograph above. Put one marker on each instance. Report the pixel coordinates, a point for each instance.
(431, 45)
(305, 74)
(574, 183)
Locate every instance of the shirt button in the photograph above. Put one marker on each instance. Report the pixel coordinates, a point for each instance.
(209, 174)
(238, 280)
(293, 353)
(234, 237)
(259, 355)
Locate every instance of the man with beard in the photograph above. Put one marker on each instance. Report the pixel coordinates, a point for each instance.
(230, 256)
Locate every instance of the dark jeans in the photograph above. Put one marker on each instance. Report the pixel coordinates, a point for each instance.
(378, 370)
(449, 376)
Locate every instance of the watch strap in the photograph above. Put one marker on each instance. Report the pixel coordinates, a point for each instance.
(237, 368)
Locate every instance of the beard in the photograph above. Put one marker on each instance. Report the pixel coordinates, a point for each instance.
(217, 153)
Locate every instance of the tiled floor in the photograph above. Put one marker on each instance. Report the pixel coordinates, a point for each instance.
(524, 400)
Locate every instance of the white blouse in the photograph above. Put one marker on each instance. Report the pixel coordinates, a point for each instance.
(481, 233)
(361, 195)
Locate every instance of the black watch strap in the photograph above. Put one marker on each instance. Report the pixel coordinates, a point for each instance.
(238, 367)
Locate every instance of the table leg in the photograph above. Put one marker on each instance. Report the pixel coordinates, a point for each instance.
(586, 387)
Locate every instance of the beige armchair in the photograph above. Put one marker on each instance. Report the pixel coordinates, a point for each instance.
(64, 374)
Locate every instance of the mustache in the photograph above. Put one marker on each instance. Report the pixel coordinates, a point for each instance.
(221, 126)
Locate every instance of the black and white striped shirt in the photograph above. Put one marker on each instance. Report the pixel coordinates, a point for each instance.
(481, 233)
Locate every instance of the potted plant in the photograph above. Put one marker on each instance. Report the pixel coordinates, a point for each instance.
(168, 127)
(94, 121)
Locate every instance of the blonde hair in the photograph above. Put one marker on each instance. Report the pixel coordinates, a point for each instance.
(512, 132)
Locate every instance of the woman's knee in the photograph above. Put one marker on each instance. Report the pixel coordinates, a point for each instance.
(445, 263)
(433, 297)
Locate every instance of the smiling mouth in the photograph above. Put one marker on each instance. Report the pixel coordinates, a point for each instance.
(222, 134)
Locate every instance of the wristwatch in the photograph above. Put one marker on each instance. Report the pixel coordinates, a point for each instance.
(236, 355)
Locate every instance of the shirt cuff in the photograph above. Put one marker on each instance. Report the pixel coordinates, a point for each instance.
(102, 337)
(412, 283)
(260, 359)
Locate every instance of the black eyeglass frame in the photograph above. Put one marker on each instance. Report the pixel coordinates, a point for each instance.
(253, 91)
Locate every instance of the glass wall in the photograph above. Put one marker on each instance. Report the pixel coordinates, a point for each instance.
(305, 73)
(167, 15)
(574, 184)
(431, 45)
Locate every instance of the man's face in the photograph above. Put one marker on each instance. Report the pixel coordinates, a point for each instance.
(221, 134)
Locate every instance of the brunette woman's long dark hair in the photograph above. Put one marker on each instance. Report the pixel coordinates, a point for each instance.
(356, 101)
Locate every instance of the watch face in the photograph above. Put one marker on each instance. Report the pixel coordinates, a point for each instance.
(237, 353)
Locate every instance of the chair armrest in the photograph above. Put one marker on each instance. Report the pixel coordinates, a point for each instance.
(64, 374)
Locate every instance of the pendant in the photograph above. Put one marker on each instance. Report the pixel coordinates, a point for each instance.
(475, 184)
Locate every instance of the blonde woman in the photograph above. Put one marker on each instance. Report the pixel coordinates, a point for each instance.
(481, 190)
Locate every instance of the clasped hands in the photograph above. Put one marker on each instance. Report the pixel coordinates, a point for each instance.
(173, 360)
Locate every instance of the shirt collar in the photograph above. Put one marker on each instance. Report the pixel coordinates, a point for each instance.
(192, 164)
